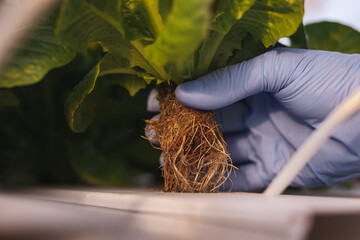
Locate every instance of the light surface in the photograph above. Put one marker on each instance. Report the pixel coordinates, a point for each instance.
(344, 12)
(147, 214)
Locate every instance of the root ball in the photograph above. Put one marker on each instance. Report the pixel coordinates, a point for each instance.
(196, 156)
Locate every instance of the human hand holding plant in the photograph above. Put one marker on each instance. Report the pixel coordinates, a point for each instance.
(289, 92)
(134, 43)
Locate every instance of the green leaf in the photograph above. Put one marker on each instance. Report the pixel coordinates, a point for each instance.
(142, 16)
(270, 20)
(127, 17)
(81, 22)
(149, 78)
(35, 57)
(112, 22)
(115, 63)
(132, 83)
(298, 39)
(332, 36)
(78, 114)
(265, 20)
(204, 56)
(183, 32)
(230, 43)
(165, 8)
(121, 70)
(8, 99)
(250, 49)
(227, 12)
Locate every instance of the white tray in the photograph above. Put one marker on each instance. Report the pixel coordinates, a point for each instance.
(144, 214)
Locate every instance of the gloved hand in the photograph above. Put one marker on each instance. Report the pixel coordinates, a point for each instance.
(289, 92)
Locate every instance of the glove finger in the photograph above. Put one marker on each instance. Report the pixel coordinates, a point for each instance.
(239, 147)
(161, 159)
(232, 118)
(245, 179)
(269, 72)
(150, 132)
(224, 86)
(152, 102)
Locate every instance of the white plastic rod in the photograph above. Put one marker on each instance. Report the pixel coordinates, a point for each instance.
(308, 149)
(16, 15)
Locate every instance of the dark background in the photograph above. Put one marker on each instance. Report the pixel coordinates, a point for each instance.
(38, 148)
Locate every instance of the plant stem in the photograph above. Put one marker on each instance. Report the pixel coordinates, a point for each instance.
(154, 18)
(118, 71)
(178, 71)
(137, 44)
(157, 25)
(211, 45)
(158, 69)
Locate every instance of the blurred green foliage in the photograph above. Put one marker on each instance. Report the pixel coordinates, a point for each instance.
(37, 146)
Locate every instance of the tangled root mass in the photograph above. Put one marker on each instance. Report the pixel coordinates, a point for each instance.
(195, 154)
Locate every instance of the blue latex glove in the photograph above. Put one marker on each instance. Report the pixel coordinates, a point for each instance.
(289, 92)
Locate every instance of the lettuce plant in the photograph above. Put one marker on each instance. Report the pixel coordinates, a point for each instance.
(144, 41)
(149, 40)
(136, 42)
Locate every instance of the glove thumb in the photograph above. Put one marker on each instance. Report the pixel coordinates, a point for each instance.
(268, 72)
(222, 87)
